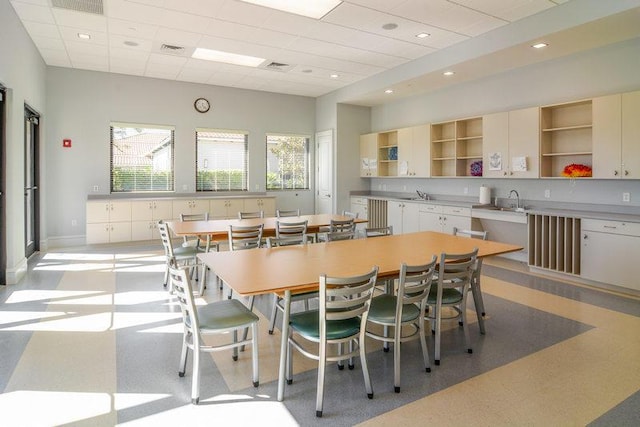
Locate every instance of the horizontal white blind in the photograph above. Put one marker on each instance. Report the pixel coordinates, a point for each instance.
(221, 160)
(141, 158)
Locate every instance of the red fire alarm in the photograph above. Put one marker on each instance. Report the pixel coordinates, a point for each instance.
(66, 143)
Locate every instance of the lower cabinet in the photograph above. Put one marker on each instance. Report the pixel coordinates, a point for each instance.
(443, 218)
(110, 232)
(610, 252)
(402, 216)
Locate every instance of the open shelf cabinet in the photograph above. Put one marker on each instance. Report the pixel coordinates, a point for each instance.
(455, 146)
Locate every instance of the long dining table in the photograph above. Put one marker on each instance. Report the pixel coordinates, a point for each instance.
(219, 228)
(289, 269)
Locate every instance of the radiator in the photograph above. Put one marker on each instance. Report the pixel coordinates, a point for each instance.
(377, 213)
(554, 243)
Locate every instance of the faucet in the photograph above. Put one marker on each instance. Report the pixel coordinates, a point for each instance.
(517, 198)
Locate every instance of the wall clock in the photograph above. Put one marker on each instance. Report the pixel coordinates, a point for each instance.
(202, 105)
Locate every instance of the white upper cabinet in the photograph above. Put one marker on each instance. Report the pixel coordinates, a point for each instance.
(414, 154)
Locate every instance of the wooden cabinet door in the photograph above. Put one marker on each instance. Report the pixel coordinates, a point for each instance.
(610, 258)
(524, 140)
(394, 216)
(429, 221)
(369, 155)
(234, 206)
(269, 207)
(631, 135)
(163, 209)
(251, 205)
(98, 212)
(450, 221)
(120, 232)
(421, 151)
(495, 145)
(142, 210)
(218, 208)
(607, 136)
(142, 230)
(120, 212)
(405, 151)
(410, 218)
(97, 233)
(199, 206)
(182, 206)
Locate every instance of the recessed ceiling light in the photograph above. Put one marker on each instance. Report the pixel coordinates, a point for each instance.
(539, 45)
(84, 36)
(388, 91)
(448, 73)
(313, 9)
(226, 57)
(390, 26)
(423, 35)
(131, 43)
(334, 76)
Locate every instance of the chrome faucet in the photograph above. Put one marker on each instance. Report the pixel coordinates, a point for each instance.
(517, 198)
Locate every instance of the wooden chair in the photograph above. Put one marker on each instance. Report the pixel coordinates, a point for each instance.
(280, 213)
(378, 231)
(403, 311)
(179, 256)
(246, 215)
(338, 230)
(220, 317)
(476, 290)
(341, 319)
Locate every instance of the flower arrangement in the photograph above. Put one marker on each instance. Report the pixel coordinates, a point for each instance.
(576, 171)
(476, 168)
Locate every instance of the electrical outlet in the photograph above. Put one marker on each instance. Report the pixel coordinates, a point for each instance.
(547, 194)
(466, 190)
(95, 188)
(74, 222)
(626, 197)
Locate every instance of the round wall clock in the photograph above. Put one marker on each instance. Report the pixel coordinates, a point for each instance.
(202, 105)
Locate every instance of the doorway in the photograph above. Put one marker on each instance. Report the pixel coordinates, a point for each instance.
(324, 172)
(31, 181)
(3, 168)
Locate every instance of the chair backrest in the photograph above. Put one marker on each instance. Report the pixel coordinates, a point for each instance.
(245, 236)
(165, 237)
(346, 297)
(456, 270)
(470, 233)
(378, 231)
(414, 285)
(280, 213)
(246, 215)
(353, 215)
(342, 225)
(179, 282)
(195, 217)
(333, 236)
(297, 229)
(274, 242)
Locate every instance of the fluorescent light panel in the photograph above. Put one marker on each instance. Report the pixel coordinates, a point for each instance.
(315, 9)
(226, 57)
(539, 45)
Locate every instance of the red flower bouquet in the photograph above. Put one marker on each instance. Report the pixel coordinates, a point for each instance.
(576, 171)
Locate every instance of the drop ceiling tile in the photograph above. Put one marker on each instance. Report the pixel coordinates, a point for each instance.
(161, 72)
(132, 29)
(86, 21)
(117, 41)
(38, 29)
(360, 18)
(55, 58)
(147, 15)
(243, 13)
(125, 54)
(209, 8)
(49, 43)
(123, 61)
(71, 34)
(194, 75)
(33, 12)
(223, 78)
(129, 69)
(289, 23)
(249, 34)
(36, 2)
(79, 48)
(382, 5)
(86, 58)
(167, 60)
(176, 37)
(508, 10)
(91, 66)
(239, 47)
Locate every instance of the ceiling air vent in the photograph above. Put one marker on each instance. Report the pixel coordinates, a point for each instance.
(172, 49)
(88, 6)
(277, 66)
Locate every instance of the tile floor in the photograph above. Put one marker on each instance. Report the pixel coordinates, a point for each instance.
(91, 338)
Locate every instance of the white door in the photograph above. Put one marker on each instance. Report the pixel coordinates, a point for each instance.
(324, 172)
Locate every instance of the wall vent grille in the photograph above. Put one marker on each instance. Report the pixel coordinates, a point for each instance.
(87, 6)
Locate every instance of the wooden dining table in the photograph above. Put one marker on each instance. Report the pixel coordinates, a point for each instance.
(290, 269)
(219, 228)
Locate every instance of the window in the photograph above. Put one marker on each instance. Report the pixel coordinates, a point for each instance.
(141, 158)
(287, 162)
(221, 160)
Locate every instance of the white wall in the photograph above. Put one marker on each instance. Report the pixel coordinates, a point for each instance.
(81, 105)
(22, 72)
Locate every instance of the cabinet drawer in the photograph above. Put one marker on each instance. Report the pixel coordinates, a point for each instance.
(359, 201)
(430, 208)
(455, 210)
(611, 227)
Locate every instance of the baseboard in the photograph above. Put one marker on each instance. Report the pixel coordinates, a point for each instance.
(63, 242)
(15, 274)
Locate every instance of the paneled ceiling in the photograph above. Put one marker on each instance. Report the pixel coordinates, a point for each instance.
(316, 56)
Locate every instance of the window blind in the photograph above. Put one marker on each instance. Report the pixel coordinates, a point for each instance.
(221, 160)
(287, 162)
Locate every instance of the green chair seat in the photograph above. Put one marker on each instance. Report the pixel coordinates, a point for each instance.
(383, 310)
(449, 296)
(224, 314)
(185, 251)
(308, 324)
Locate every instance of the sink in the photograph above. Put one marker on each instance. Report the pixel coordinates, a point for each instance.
(501, 209)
